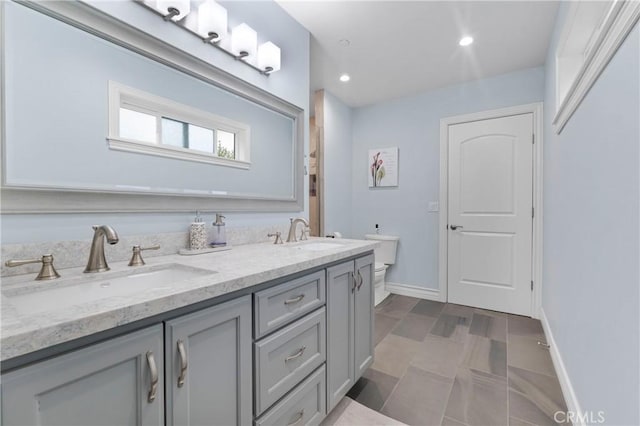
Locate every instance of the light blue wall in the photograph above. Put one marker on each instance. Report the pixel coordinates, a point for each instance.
(337, 166)
(413, 124)
(290, 83)
(591, 235)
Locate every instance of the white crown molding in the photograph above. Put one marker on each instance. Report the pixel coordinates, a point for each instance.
(615, 31)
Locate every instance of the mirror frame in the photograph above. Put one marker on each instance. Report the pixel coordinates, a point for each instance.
(21, 200)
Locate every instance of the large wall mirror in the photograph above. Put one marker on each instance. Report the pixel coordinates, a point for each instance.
(100, 117)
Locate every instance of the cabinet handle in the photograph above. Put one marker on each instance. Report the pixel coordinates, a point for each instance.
(360, 280)
(296, 355)
(183, 363)
(353, 281)
(153, 370)
(298, 418)
(294, 300)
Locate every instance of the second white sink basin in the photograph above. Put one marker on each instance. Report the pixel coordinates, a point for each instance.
(54, 295)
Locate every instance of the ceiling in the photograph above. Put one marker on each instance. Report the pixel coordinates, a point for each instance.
(397, 48)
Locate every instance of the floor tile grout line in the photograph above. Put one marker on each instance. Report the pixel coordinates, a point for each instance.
(523, 420)
(555, 376)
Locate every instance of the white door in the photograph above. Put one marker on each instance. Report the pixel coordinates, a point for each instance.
(490, 213)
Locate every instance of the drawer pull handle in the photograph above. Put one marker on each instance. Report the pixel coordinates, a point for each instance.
(183, 363)
(153, 370)
(298, 418)
(296, 355)
(294, 300)
(360, 280)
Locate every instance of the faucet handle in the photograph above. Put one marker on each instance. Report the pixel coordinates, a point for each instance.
(278, 237)
(136, 258)
(47, 272)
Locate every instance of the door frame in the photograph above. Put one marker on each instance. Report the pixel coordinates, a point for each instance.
(536, 252)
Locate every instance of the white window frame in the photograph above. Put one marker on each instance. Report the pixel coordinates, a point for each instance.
(575, 74)
(121, 96)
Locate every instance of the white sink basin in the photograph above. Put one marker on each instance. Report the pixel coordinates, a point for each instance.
(55, 295)
(319, 246)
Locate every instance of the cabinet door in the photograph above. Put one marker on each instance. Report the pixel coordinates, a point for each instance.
(208, 366)
(363, 322)
(104, 384)
(340, 319)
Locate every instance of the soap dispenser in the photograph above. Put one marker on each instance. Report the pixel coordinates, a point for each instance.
(197, 234)
(218, 233)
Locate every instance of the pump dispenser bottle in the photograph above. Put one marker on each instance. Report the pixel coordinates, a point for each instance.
(197, 234)
(218, 233)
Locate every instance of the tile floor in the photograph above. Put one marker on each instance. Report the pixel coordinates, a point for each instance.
(445, 364)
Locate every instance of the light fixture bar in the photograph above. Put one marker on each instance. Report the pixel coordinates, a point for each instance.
(210, 24)
(240, 57)
(172, 12)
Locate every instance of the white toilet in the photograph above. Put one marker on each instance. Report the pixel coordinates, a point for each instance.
(385, 256)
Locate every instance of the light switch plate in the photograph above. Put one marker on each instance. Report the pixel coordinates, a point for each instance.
(434, 206)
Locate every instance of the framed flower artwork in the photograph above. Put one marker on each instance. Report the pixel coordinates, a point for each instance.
(383, 167)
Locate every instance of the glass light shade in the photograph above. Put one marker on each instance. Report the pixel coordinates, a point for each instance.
(212, 18)
(244, 39)
(184, 6)
(269, 57)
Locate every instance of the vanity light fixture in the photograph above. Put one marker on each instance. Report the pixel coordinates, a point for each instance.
(269, 57)
(209, 21)
(465, 41)
(173, 10)
(212, 21)
(345, 77)
(244, 41)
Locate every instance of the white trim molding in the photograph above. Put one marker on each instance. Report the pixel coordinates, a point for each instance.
(121, 96)
(536, 110)
(413, 291)
(568, 392)
(618, 22)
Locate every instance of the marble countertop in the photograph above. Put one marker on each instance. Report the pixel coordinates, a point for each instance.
(26, 330)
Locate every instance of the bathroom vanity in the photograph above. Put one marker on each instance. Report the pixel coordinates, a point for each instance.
(262, 334)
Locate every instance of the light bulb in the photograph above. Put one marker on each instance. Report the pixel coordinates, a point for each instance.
(244, 41)
(212, 20)
(269, 57)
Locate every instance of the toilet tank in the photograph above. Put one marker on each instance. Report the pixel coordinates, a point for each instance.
(386, 253)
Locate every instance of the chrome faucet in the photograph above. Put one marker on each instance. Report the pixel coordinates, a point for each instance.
(292, 228)
(97, 262)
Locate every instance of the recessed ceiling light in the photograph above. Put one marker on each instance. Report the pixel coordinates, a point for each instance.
(344, 78)
(465, 41)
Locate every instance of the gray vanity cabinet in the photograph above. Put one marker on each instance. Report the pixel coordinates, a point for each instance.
(209, 366)
(349, 325)
(363, 315)
(110, 383)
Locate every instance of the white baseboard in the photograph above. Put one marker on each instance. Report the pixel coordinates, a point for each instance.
(413, 291)
(563, 377)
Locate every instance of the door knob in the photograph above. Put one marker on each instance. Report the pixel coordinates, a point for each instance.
(454, 227)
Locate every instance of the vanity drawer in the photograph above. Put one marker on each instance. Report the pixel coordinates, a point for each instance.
(305, 405)
(286, 357)
(282, 304)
